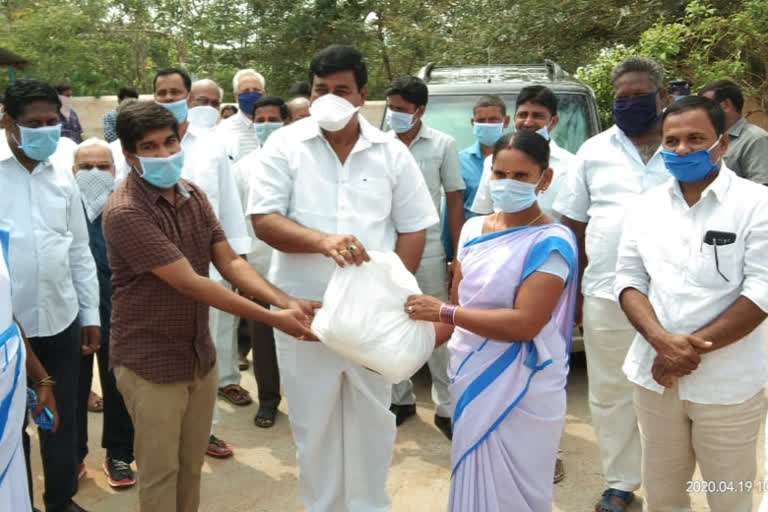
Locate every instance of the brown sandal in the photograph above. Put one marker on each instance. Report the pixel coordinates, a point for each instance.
(235, 394)
(559, 470)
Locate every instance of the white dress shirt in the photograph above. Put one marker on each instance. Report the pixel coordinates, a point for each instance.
(53, 274)
(239, 134)
(607, 178)
(560, 160)
(377, 193)
(438, 159)
(260, 255)
(662, 254)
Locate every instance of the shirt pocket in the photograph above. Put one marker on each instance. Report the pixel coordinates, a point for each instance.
(369, 197)
(54, 212)
(704, 265)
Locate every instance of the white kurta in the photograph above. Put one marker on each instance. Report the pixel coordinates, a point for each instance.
(14, 494)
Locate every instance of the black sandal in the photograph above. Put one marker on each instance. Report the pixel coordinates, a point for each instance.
(265, 416)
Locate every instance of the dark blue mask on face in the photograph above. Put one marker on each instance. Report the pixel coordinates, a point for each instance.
(635, 115)
(246, 101)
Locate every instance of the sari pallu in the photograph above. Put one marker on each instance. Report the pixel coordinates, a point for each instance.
(509, 396)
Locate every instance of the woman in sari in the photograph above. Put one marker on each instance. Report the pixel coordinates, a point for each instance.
(509, 338)
(16, 361)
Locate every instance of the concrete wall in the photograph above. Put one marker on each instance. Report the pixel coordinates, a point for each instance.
(90, 110)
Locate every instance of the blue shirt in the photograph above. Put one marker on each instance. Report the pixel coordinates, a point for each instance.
(471, 162)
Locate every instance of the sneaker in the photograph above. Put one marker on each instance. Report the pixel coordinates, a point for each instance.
(119, 473)
(81, 471)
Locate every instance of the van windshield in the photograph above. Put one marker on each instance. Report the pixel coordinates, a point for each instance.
(452, 113)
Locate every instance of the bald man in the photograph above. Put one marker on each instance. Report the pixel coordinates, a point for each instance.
(204, 102)
(298, 108)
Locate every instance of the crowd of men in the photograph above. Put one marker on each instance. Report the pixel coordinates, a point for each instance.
(113, 255)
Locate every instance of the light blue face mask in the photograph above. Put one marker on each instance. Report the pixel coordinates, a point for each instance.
(544, 132)
(179, 109)
(692, 167)
(512, 195)
(400, 122)
(264, 130)
(487, 133)
(162, 172)
(39, 143)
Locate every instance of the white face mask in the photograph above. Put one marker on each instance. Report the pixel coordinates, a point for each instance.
(95, 188)
(203, 117)
(332, 112)
(66, 105)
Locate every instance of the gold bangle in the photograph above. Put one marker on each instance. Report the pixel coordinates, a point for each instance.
(45, 381)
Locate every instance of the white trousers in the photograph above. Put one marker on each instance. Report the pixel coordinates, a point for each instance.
(342, 427)
(607, 337)
(431, 278)
(223, 327)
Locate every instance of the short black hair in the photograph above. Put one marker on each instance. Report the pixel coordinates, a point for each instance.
(725, 90)
(712, 108)
(136, 119)
(173, 71)
(271, 100)
(540, 95)
(127, 92)
(336, 58)
(411, 88)
(490, 100)
(22, 92)
(530, 143)
(300, 90)
(229, 107)
(61, 87)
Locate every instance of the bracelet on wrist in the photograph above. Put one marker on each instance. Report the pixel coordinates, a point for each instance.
(447, 313)
(45, 381)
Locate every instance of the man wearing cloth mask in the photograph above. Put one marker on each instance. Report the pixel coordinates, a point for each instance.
(94, 173)
(333, 187)
(692, 278)
(162, 236)
(489, 120)
(747, 154)
(206, 164)
(269, 113)
(247, 87)
(535, 111)
(53, 275)
(612, 169)
(435, 152)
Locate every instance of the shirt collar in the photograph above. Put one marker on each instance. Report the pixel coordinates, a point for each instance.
(476, 151)
(737, 127)
(718, 188)
(309, 129)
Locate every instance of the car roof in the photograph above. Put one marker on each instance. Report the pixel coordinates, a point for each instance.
(501, 78)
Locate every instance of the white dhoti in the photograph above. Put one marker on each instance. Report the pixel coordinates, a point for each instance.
(342, 427)
(431, 276)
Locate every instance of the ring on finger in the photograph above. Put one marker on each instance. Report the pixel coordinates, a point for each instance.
(410, 310)
(352, 248)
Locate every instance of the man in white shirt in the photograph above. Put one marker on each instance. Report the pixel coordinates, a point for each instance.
(207, 165)
(333, 187)
(436, 154)
(535, 111)
(692, 278)
(247, 87)
(53, 275)
(613, 168)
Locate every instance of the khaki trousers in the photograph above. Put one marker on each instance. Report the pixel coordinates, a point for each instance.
(607, 338)
(172, 423)
(676, 434)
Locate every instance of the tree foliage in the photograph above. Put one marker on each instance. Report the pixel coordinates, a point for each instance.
(100, 44)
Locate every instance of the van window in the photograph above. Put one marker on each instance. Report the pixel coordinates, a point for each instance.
(452, 113)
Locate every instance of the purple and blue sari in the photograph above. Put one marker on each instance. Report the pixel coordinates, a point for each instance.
(509, 395)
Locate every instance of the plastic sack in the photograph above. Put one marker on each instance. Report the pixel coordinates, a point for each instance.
(363, 318)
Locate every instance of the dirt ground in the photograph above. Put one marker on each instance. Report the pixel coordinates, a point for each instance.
(261, 477)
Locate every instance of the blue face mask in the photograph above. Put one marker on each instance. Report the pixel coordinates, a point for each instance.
(264, 130)
(487, 133)
(695, 166)
(162, 172)
(246, 100)
(512, 195)
(400, 122)
(39, 143)
(635, 115)
(678, 97)
(178, 109)
(544, 132)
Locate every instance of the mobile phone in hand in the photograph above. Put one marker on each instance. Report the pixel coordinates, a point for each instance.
(44, 420)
